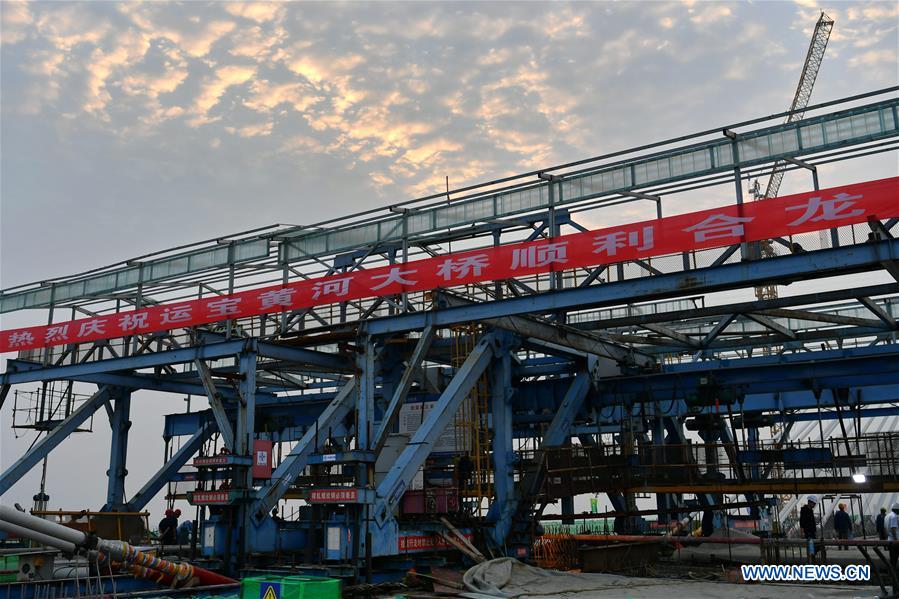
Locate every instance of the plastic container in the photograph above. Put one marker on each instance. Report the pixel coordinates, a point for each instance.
(289, 587)
(9, 568)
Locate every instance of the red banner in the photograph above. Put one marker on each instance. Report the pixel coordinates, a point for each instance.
(779, 217)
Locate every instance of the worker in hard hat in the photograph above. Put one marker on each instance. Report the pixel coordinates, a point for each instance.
(892, 524)
(842, 524)
(168, 527)
(807, 521)
(881, 524)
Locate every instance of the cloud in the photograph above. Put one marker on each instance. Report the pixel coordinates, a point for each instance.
(711, 13)
(15, 21)
(212, 90)
(260, 12)
(129, 48)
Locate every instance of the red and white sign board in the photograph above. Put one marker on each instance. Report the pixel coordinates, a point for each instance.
(334, 496)
(727, 225)
(409, 543)
(216, 460)
(211, 497)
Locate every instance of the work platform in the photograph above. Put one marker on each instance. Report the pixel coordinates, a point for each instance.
(461, 360)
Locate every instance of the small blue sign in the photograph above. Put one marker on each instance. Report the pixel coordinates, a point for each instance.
(270, 590)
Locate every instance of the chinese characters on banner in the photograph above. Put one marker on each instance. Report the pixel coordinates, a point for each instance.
(779, 217)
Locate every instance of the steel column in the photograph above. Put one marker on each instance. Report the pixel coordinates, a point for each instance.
(120, 423)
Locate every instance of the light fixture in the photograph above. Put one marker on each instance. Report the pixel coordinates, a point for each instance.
(859, 478)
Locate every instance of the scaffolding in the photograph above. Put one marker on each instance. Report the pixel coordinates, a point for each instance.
(473, 427)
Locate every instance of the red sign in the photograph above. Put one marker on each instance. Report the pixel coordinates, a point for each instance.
(425, 542)
(211, 497)
(334, 496)
(778, 217)
(262, 458)
(212, 461)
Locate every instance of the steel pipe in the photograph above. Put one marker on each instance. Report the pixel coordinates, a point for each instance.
(752, 540)
(37, 537)
(45, 527)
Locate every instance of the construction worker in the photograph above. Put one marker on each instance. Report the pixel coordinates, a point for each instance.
(807, 521)
(880, 524)
(168, 528)
(892, 526)
(842, 524)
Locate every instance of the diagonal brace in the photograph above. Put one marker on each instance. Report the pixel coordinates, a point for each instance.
(419, 447)
(170, 468)
(294, 463)
(399, 395)
(215, 402)
(54, 438)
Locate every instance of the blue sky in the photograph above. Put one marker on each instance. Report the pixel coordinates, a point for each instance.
(130, 127)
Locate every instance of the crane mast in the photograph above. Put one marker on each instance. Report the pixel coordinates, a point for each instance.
(810, 69)
(813, 59)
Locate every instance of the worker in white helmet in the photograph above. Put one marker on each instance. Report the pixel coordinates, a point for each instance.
(807, 520)
(892, 525)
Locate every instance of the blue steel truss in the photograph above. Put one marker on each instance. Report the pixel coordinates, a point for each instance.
(630, 354)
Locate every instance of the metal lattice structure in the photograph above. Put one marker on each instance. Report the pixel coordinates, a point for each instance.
(621, 366)
(813, 60)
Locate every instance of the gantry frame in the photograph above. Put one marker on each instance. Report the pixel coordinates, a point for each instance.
(604, 351)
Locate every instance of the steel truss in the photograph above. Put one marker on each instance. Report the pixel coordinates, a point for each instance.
(632, 355)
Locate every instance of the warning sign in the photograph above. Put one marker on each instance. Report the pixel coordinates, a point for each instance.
(270, 590)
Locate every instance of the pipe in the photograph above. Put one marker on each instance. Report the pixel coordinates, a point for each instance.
(721, 540)
(68, 539)
(33, 523)
(37, 537)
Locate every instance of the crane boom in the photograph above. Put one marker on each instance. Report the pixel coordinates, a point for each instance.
(810, 69)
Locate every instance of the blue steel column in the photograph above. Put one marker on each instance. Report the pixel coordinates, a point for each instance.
(120, 423)
(663, 500)
(503, 508)
(246, 412)
(365, 408)
(243, 445)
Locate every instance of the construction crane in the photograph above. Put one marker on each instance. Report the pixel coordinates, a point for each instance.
(801, 98)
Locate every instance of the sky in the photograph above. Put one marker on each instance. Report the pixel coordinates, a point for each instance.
(126, 128)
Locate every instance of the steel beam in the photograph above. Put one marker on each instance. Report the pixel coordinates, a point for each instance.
(878, 311)
(413, 456)
(821, 317)
(53, 438)
(739, 308)
(768, 323)
(150, 382)
(298, 355)
(120, 423)
(135, 362)
(402, 389)
(170, 468)
(561, 335)
(294, 463)
(671, 333)
(810, 265)
(215, 403)
(716, 330)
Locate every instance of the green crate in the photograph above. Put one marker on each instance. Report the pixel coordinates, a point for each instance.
(289, 587)
(9, 562)
(317, 587)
